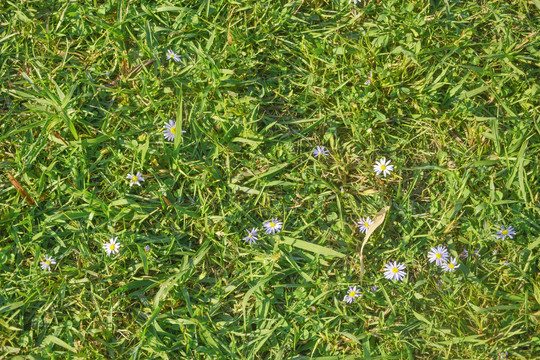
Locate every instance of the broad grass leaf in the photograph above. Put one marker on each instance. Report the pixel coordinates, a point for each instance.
(53, 339)
(314, 248)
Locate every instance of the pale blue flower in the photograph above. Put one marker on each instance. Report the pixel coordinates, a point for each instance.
(364, 224)
(272, 226)
(438, 255)
(352, 294)
(504, 233)
(172, 55)
(46, 265)
(135, 179)
(251, 238)
(394, 271)
(450, 265)
(320, 150)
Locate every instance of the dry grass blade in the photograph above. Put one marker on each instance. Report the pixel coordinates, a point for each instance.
(20, 189)
(379, 219)
(164, 197)
(127, 73)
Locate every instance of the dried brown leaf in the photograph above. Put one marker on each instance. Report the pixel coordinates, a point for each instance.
(20, 189)
(377, 221)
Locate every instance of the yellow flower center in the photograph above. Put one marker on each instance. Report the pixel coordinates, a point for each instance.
(438, 256)
(47, 262)
(366, 224)
(352, 294)
(450, 265)
(383, 167)
(134, 178)
(173, 130)
(504, 232)
(112, 246)
(272, 224)
(395, 270)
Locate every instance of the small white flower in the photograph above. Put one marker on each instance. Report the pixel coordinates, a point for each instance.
(364, 224)
(170, 130)
(135, 179)
(504, 233)
(320, 150)
(272, 226)
(394, 271)
(352, 294)
(368, 81)
(172, 55)
(355, 1)
(46, 265)
(112, 246)
(439, 255)
(383, 166)
(252, 236)
(369, 130)
(450, 265)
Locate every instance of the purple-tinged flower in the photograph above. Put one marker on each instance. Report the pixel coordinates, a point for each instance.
(504, 233)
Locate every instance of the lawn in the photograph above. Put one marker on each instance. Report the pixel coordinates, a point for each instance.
(203, 179)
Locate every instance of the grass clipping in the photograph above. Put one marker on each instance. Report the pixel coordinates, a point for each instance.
(377, 221)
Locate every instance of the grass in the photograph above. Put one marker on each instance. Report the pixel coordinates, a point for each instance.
(453, 103)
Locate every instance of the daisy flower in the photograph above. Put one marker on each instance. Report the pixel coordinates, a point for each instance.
(364, 224)
(450, 265)
(503, 355)
(438, 255)
(46, 265)
(352, 294)
(112, 246)
(464, 253)
(355, 1)
(172, 55)
(252, 236)
(320, 150)
(394, 271)
(374, 288)
(170, 130)
(504, 233)
(135, 179)
(383, 166)
(272, 226)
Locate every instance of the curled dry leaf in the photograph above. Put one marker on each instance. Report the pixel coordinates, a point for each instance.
(377, 221)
